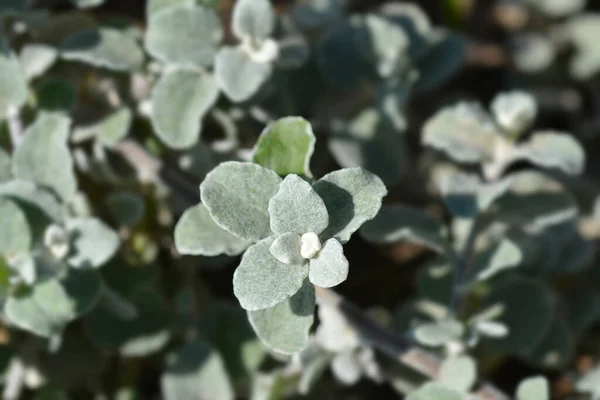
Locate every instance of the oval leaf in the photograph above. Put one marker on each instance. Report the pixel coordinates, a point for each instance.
(92, 242)
(253, 18)
(329, 267)
(238, 75)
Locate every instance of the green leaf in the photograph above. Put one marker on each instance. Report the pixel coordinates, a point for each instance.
(93, 243)
(196, 372)
(329, 267)
(104, 47)
(297, 208)
(147, 333)
(238, 75)
(434, 281)
(126, 208)
(439, 333)
(261, 281)
(446, 55)
(514, 111)
(581, 31)
(458, 373)
(286, 146)
(43, 155)
(13, 83)
(557, 348)
(36, 59)
(155, 6)
(435, 391)
(197, 234)
(385, 43)
(397, 222)
(5, 166)
(253, 18)
(29, 193)
(56, 94)
(237, 197)
(15, 235)
(352, 196)
(535, 388)
(110, 130)
(554, 150)
(52, 304)
(287, 249)
(284, 327)
(184, 34)
(498, 257)
(87, 3)
(180, 100)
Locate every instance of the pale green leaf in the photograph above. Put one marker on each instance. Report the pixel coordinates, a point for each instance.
(582, 30)
(237, 197)
(92, 243)
(44, 157)
(179, 101)
(458, 373)
(439, 333)
(5, 166)
(554, 150)
(346, 368)
(286, 146)
(196, 372)
(352, 196)
(29, 193)
(497, 258)
(558, 8)
(514, 111)
(238, 75)
(197, 234)
(533, 52)
(87, 3)
(253, 18)
(15, 235)
(109, 131)
(52, 304)
(261, 281)
(105, 47)
(535, 388)
(590, 382)
(386, 44)
(184, 34)
(154, 6)
(435, 391)
(397, 222)
(13, 83)
(126, 208)
(329, 267)
(286, 248)
(37, 59)
(284, 327)
(297, 208)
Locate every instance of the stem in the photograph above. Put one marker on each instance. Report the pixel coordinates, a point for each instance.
(461, 264)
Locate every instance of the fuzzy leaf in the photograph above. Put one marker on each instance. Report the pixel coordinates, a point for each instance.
(110, 130)
(435, 391)
(196, 372)
(352, 196)
(581, 29)
(93, 243)
(497, 258)
(43, 156)
(286, 249)
(284, 327)
(458, 373)
(13, 84)
(329, 267)
(590, 382)
(37, 59)
(439, 333)
(180, 100)
(237, 197)
(87, 3)
(286, 147)
(105, 47)
(155, 6)
(395, 223)
(297, 208)
(29, 193)
(184, 34)
(238, 75)
(126, 208)
(261, 281)
(253, 18)
(554, 150)
(535, 388)
(5, 167)
(197, 234)
(15, 235)
(514, 111)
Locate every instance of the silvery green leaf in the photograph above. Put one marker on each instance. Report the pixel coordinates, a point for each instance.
(197, 234)
(5, 167)
(458, 373)
(590, 382)
(87, 3)
(261, 281)
(237, 196)
(446, 55)
(297, 208)
(180, 100)
(554, 150)
(286, 248)
(253, 18)
(514, 111)
(558, 8)
(238, 75)
(464, 132)
(155, 6)
(52, 304)
(315, 13)
(13, 83)
(184, 34)
(109, 131)
(294, 51)
(387, 44)
(286, 146)
(15, 235)
(557, 348)
(93, 243)
(533, 52)
(284, 327)
(126, 208)
(535, 388)
(329, 267)
(37, 59)
(439, 333)
(397, 222)
(435, 391)
(104, 47)
(585, 63)
(497, 258)
(346, 368)
(196, 372)
(147, 333)
(352, 196)
(43, 155)
(29, 193)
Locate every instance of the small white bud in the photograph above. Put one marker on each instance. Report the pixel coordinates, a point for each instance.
(310, 245)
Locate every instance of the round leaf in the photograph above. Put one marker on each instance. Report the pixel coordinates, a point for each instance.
(287, 249)
(253, 18)
(458, 373)
(13, 85)
(37, 59)
(554, 150)
(536, 388)
(15, 235)
(329, 267)
(93, 243)
(435, 391)
(238, 75)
